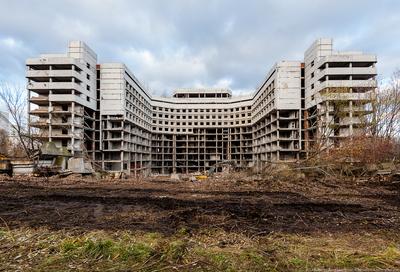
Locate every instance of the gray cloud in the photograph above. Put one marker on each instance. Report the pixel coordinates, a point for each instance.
(170, 44)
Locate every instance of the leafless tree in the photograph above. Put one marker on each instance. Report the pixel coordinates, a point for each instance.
(15, 101)
(377, 138)
(4, 142)
(336, 110)
(386, 109)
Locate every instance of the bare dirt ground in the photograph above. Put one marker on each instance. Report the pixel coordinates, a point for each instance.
(232, 204)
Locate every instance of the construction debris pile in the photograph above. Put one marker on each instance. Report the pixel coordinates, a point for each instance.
(47, 161)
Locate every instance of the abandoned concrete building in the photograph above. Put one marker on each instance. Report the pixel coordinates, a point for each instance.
(102, 112)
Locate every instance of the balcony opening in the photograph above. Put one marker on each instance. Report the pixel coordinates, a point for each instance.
(338, 64)
(362, 64)
(339, 77)
(363, 77)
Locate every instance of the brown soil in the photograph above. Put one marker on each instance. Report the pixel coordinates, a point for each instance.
(166, 206)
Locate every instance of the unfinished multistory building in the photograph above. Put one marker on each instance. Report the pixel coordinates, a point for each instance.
(103, 111)
(197, 128)
(276, 108)
(125, 121)
(63, 88)
(339, 89)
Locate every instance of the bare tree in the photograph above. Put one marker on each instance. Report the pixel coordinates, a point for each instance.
(386, 109)
(15, 100)
(327, 123)
(4, 142)
(378, 126)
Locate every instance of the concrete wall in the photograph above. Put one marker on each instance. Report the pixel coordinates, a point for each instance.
(288, 85)
(112, 86)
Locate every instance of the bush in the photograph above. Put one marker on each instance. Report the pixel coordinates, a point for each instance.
(363, 150)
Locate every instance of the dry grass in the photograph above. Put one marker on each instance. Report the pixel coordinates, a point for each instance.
(28, 249)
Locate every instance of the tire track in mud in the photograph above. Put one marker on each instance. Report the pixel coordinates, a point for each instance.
(97, 208)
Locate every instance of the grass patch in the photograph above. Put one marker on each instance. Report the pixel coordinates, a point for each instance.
(70, 245)
(137, 252)
(223, 261)
(255, 260)
(175, 250)
(99, 249)
(105, 248)
(44, 250)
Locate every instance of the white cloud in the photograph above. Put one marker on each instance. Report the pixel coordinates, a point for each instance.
(223, 83)
(228, 26)
(72, 28)
(10, 43)
(170, 44)
(12, 67)
(173, 68)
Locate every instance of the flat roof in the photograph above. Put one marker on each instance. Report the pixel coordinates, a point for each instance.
(202, 90)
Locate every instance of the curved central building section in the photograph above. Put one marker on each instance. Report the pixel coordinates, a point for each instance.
(197, 128)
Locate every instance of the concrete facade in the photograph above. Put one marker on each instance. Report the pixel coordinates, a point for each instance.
(63, 88)
(108, 115)
(339, 89)
(125, 121)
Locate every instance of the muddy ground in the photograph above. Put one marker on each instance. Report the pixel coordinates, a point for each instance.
(165, 206)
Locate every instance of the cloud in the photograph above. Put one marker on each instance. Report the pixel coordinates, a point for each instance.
(172, 44)
(9, 42)
(223, 83)
(75, 28)
(178, 67)
(12, 68)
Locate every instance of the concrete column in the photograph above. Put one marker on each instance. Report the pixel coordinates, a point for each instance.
(50, 114)
(101, 142)
(174, 154)
(277, 136)
(135, 163)
(72, 126)
(50, 119)
(122, 160)
(141, 162)
(187, 154)
(162, 148)
(94, 136)
(299, 135)
(122, 147)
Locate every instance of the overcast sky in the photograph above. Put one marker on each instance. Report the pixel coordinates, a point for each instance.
(169, 44)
